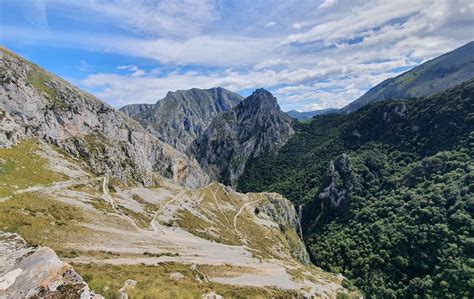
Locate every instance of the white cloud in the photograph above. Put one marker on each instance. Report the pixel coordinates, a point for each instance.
(134, 70)
(270, 24)
(85, 67)
(327, 4)
(322, 55)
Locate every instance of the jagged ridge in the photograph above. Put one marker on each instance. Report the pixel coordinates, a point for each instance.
(255, 126)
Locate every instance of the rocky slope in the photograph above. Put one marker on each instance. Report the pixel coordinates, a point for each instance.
(182, 116)
(37, 272)
(162, 242)
(48, 107)
(433, 76)
(255, 126)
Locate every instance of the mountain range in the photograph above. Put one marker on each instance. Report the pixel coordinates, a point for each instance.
(143, 201)
(182, 116)
(433, 76)
(93, 204)
(306, 115)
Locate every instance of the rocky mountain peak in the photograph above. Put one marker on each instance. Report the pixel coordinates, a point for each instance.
(261, 100)
(255, 126)
(183, 115)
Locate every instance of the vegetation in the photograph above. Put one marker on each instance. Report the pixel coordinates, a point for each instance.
(157, 282)
(405, 227)
(43, 83)
(42, 221)
(21, 167)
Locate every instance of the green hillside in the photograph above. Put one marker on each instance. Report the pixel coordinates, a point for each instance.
(388, 193)
(438, 74)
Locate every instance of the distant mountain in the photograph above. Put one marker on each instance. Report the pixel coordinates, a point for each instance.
(255, 126)
(183, 115)
(386, 192)
(301, 116)
(426, 79)
(35, 103)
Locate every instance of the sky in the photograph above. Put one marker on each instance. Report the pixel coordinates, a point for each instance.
(310, 54)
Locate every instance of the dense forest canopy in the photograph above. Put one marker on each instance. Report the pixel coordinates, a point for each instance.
(388, 193)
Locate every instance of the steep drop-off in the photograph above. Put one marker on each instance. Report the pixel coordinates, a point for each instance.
(387, 192)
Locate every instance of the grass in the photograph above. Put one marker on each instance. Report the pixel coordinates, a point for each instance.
(142, 220)
(42, 221)
(21, 168)
(155, 282)
(199, 227)
(41, 81)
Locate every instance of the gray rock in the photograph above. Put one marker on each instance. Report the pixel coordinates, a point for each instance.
(254, 126)
(283, 212)
(37, 272)
(340, 181)
(10, 131)
(113, 144)
(182, 116)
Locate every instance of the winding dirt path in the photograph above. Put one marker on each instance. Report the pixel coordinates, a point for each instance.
(52, 187)
(111, 201)
(241, 210)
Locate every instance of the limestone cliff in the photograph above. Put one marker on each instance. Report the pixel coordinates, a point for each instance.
(182, 116)
(254, 126)
(48, 107)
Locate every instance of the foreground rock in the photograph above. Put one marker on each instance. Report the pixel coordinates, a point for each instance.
(36, 272)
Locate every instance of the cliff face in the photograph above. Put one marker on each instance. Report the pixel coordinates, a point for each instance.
(45, 106)
(255, 126)
(181, 116)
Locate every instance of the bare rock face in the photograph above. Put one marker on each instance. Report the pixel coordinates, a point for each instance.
(340, 181)
(48, 107)
(182, 116)
(10, 131)
(36, 272)
(254, 126)
(283, 212)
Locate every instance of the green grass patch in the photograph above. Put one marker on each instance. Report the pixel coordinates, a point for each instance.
(41, 220)
(155, 282)
(21, 167)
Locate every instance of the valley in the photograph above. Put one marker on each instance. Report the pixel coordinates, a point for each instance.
(208, 194)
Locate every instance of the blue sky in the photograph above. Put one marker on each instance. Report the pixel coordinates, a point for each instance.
(310, 54)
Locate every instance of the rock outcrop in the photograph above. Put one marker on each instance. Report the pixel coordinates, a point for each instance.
(48, 107)
(182, 116)
(283, 212)
(339, 181)
(10, 131)
(254, 126)
(37, 272)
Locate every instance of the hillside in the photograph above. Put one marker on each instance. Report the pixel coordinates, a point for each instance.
(431, 77)
(84, 184)
(182, 116)
(35, 103)
(166, 242)
(387, 192)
